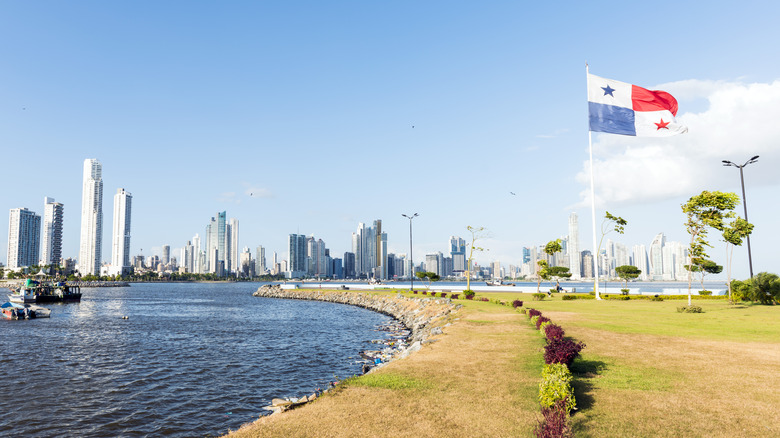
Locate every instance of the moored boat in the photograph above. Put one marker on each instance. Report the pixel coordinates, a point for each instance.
(23, 311)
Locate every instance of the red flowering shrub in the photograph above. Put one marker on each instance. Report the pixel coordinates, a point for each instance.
(454, 296)
(562, 351)
(540, 320)
(555, 423)
(517, 303)
(533, 312)
(444, 295)
(553, 332)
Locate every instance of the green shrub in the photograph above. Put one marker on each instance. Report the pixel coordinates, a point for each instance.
(539, 296)
(553, 290)
(542, 326)
(624, 291)
(657, 298)
(689, 309)
(705, 293)
(592, 293)
(622, 297)
(556, 385)
(534, 319)
(523, 311)
(469, 294)
(569, 297)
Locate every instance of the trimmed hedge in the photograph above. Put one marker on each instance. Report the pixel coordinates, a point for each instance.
(553, 332)
(690, 309)
(555, 423)
(540, 320)
(562, 351)
(556, 386)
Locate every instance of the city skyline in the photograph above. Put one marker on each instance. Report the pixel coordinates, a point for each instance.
(468, 114)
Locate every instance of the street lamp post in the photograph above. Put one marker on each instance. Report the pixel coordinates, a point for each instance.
(411, 258)
(744, 202)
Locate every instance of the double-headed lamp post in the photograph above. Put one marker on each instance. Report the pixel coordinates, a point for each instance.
(411, 259)
(744, 201)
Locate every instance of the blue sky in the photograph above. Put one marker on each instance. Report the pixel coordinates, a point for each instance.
(309, 117)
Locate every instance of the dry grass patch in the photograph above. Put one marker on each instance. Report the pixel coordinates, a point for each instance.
(478, 379)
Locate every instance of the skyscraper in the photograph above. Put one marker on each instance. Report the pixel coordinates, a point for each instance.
(24, 233)
(297, 256)
(166, 255)
(574, 247)
(458, 254)
(91, 245)
(657, 257)
(216, 243)
(51, 252)
(120, 244)
(233, 263)
(260, 264)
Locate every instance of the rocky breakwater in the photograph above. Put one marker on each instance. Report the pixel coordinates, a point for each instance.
(423, 317)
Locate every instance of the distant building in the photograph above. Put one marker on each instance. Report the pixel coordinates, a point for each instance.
(458, 254)
(24, 233)
(349, 265)
(51, 251)
(120, 243)
(216, 242)
(91, 244)
(260, 264)
(165, 258)
(297, 256)
(232, 257)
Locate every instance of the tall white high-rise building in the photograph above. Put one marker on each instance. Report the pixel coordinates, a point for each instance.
(197, 258)
(233, 263)
(260, 264)
(120, 243)
(216, 244)
(24, 233)
(574, 247)
(51, 243)
(90, 248)
(657, 257)
(640, 261)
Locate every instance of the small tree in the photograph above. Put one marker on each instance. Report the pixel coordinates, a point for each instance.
(559, 272)
(610, 223)
(703, 211)
(476, 234)
(430, 276)
(542, 273)
(627, 272)
(733, 234)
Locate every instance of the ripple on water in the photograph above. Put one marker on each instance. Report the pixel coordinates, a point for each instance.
(192, 359)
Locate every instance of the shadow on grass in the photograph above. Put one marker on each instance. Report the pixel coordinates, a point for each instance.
(584, 370)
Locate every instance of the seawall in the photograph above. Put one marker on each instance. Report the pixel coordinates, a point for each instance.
(420, 316)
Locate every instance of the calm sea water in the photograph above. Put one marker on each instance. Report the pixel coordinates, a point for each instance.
(190, 360)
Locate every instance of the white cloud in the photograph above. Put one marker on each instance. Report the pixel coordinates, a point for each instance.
(740, 121)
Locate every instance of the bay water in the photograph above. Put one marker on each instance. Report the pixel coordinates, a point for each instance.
(189, 360)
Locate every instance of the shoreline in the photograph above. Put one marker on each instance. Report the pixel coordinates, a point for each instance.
(418, 315)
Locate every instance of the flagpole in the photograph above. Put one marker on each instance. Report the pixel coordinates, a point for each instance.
(592, 199)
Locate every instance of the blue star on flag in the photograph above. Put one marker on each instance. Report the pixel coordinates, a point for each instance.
(608, 90)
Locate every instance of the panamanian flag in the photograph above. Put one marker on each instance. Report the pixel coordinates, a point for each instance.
(620, 108)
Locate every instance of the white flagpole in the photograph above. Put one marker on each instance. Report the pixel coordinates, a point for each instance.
(592, 200)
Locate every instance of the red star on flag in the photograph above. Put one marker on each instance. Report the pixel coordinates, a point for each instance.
(662, 125)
